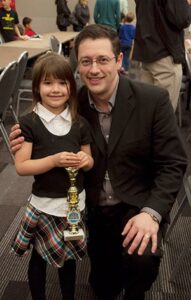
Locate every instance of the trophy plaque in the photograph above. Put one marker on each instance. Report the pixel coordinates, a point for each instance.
(73, 214)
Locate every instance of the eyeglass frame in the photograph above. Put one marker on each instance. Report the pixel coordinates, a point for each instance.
(91, 61)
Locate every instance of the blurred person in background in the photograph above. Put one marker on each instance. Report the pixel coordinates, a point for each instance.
(27, 24)
(63, 14)
(107, 12)
(159, 42)
(9, 23)
(82, 15)
(126, 36)
(63, 21)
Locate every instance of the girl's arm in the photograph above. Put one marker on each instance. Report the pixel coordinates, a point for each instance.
(27, 166)
(86, 159)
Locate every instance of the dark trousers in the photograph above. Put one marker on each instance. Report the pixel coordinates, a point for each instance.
(77, 28)
(126, 52)
(37, 278)
(62, 28)
(112, 269)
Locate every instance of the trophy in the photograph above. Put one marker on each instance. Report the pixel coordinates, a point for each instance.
(73, 214)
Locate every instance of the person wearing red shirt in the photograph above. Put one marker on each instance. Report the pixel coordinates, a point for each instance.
(28, 27)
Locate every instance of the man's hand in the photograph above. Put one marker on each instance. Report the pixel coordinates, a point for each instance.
(15, 139)
(138, 231)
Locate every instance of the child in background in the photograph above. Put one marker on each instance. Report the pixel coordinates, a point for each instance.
(12, 4)
(126, 36)
(56, 137)
(9, 23)
(28, 27)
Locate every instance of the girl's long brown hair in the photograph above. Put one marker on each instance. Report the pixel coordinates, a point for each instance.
(51, 65)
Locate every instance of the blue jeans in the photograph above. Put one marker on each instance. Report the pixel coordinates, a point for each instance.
(126, 52)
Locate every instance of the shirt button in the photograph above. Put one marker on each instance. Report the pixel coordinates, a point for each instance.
(110, 197)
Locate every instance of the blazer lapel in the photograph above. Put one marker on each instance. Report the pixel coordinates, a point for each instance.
(124, 106)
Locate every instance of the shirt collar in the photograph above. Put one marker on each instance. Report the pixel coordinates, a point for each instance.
(111, 101)
(48, 116)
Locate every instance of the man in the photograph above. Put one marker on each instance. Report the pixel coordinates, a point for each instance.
(159, 42)
(9, 23)
(107, 12)
(139, 166)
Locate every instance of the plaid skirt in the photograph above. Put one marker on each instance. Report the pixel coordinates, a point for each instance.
(45, 233)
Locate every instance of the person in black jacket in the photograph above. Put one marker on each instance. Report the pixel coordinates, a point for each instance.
(159, 42)
(63, 15)
(63, 21)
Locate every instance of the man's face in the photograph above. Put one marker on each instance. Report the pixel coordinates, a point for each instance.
(100, 79)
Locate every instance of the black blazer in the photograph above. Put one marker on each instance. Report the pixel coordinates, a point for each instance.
(145, 158)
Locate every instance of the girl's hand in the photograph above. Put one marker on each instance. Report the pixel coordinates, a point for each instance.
(86, 161)
(66, 159)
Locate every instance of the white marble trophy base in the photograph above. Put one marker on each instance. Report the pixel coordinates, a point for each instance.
(68, 236)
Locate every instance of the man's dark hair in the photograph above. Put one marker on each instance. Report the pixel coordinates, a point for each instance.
(26, 21)
(95, 32)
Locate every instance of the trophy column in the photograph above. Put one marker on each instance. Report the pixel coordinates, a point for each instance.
(73, 215)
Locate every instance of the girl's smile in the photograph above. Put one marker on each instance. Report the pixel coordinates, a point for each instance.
(54, 94)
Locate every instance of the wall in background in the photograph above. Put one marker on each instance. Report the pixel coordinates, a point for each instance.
(43, 13)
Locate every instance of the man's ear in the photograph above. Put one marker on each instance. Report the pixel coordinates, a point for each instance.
(120, 60)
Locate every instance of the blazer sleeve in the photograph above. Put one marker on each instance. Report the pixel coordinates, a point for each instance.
(169, 159)
(178, 13)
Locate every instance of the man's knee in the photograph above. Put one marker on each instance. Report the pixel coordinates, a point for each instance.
(144, 268)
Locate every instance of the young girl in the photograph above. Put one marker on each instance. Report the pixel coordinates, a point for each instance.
(56, 137)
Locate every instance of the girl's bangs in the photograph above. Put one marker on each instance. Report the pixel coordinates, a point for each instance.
(55, 70)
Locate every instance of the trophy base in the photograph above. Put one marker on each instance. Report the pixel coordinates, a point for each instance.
(68, 236)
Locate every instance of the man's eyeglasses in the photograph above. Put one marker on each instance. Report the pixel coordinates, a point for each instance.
(100, 61)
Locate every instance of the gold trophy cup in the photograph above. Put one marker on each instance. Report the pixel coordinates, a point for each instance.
(73, 214)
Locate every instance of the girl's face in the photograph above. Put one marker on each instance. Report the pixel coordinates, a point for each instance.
(54, 94)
